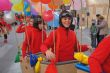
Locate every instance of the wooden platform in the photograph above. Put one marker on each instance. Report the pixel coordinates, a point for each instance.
(26, 68)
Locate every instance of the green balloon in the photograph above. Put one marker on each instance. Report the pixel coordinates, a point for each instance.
(17, 58)
(15, 1)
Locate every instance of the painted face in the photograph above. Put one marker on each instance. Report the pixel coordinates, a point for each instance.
(66, 21)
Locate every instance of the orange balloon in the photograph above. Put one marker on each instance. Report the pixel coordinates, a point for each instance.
(35, 1)
(52, 6)
(38, 8)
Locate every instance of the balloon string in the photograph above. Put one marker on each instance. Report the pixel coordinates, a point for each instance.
(81, 27)
(53, 26)
(43, 24)
(26, 35)
(17, 42)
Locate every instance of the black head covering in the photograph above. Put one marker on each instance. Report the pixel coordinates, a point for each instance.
(65, 14)
(37, 20)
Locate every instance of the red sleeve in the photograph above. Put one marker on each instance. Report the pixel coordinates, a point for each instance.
(25, 46)
(99, 56)
(20, 29)
(47, 43)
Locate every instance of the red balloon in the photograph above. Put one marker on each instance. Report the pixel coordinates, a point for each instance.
(48, 15)
(51, 68)
(45, 1)
(35, 1)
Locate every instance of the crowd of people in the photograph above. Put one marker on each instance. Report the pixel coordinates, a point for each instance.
(4, 27)
(62, 42)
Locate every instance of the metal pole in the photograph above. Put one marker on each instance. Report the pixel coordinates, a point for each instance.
(108, 12)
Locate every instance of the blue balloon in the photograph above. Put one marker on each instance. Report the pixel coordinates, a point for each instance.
(55, 21)
(33, 59)
(26, 4)
(82, 67)
(27, 13)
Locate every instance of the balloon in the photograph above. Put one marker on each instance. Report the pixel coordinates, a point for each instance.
(37, 8)
(55, 21)
(51, 68)
(9, 18)
(35, 1)
(27, 8)
(48, 15)
(33, 12)
(18, 7)
(15, 1)
(33, 59)
(52, 6)
(83, 67)
(81, 57)
(27, 13)
(37, 66)
(66, 1)
(5, 5)
(45, 1)
(78, 56)
(26, 4)
(28, 1)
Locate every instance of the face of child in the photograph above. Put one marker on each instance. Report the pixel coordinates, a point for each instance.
(40, 25)
(27, 19)
(66, 21)
(31, 21)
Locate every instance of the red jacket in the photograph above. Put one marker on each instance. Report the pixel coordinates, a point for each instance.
(67, 44)
(20, 28)
(32, 41)
(4, 24)
(99, 60)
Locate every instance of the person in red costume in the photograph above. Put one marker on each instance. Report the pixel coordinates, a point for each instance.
(64, 39)
(34, 37)
(99, 60)
(6, 28)
(22, 26)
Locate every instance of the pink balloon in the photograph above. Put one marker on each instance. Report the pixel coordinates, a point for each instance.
(5, 5)
(48, 15)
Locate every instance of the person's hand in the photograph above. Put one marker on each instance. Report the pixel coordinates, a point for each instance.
(50, 55)
(90, 48)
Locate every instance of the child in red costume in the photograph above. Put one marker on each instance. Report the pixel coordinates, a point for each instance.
(21, 27)
(33, 37)
(65, 40)
(5, 29)
(99, 60)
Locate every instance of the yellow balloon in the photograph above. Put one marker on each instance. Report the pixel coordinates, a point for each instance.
(85, 59)
(66, 1)
(78, 56)
(28, 9)
(37, 66)
(18, 7)
(81, 57)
